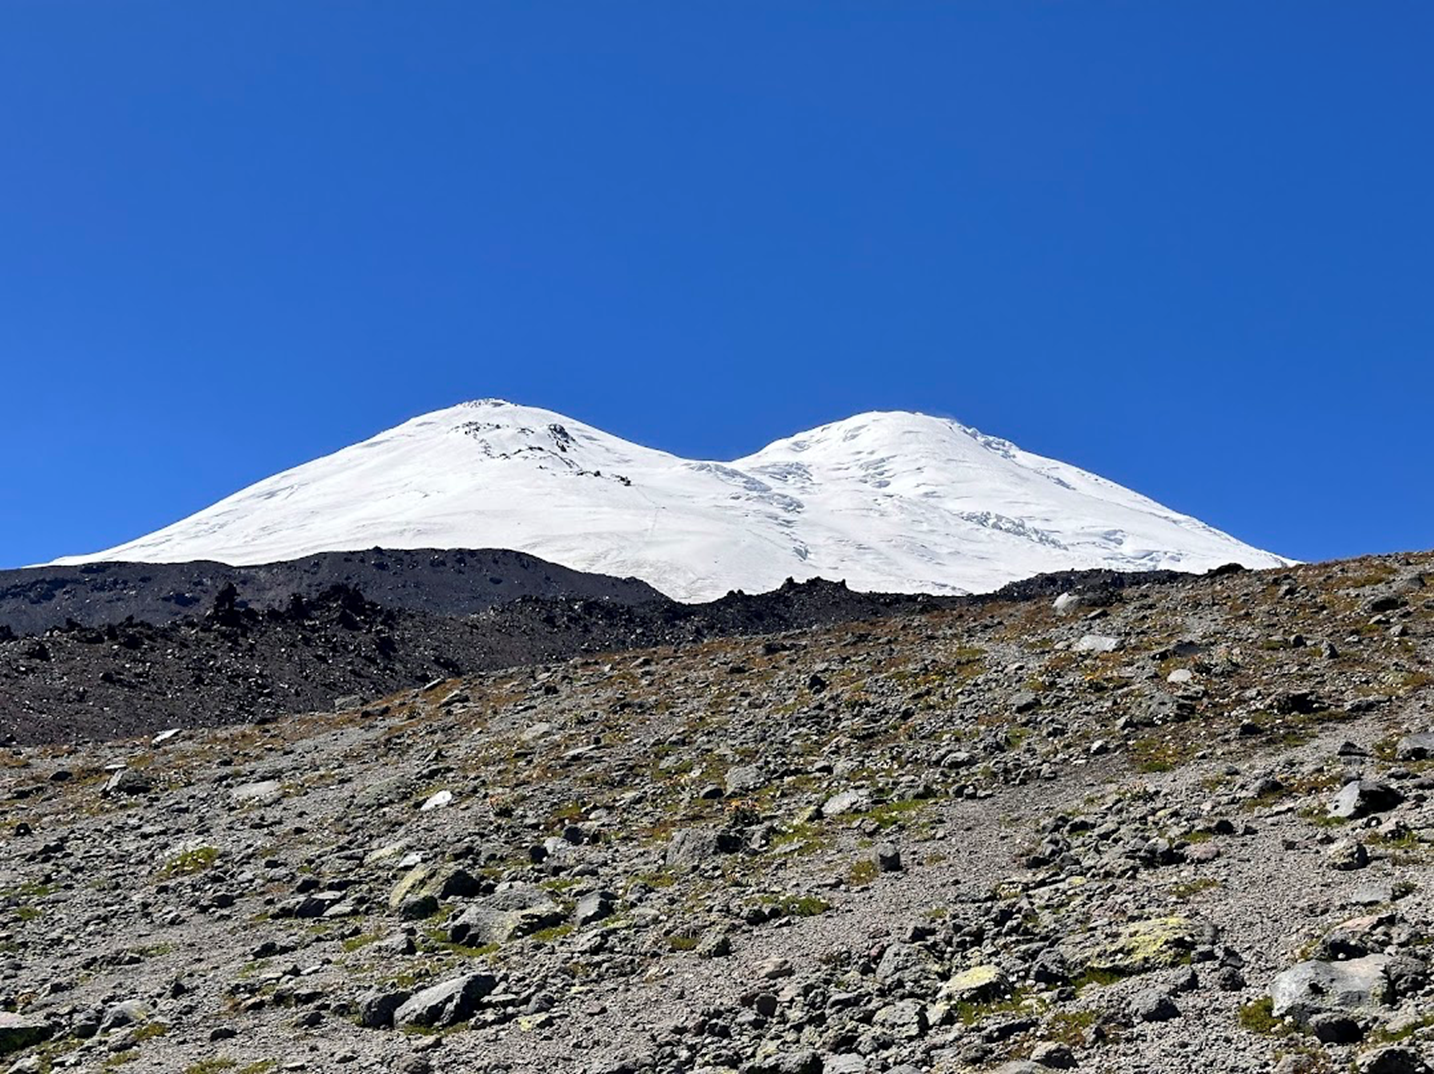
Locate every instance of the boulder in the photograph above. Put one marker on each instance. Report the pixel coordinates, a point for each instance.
(1096, 643)
(376, 1009)
(979, 984)
(445, 1004)
(1417, 747)
(744, 779)
(593, 907)
(691, 847)
(1148, 945)
(126, 781)
(1308, 988)
(439, 881)
(1362, 797)
(851, 801)
(520, 910)
(21, 1031)
(261, 793)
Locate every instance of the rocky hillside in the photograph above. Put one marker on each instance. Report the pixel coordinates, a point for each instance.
(1180, 827)
(440, 581)
(251, 655)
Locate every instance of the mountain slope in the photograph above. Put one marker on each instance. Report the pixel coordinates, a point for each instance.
(896, 502)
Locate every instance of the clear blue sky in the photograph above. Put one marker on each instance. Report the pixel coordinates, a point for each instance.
(1188, 245)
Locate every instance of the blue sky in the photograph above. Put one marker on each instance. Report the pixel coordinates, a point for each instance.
(1186, 245)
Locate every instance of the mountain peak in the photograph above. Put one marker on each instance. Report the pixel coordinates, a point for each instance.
(886, 500)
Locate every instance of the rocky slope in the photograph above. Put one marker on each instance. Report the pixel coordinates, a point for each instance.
(250, 654)
(1181, 827)
(443, 582)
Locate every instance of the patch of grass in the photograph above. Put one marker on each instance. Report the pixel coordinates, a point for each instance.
(682, 942)
(1098, 977)
(211, 1066)
(891, 814)
(189, 862)
(797, 905)
(354, 943)
(1188, 889)
(861, 873)
(557, 932)
(972, 1013)
(1156, 753)
(1068, 1027)
(1404, 1032)
(435, 939)
(1365, 579)
(1320, 819)
(27, 913)
(1257, 1016)
(806, 838)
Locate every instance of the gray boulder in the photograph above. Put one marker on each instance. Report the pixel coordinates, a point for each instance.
(1362, 797)
(1309, 988)
(21, 1031)
(520, 910)
(1392, 1060)
(376, 1009)
(445, 1004)
(1096, 643)
(1418, 747)
(691, 847)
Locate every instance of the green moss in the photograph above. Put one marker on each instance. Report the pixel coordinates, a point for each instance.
(797, 905)
(861, 873)
(557, 932)
(1257, 1016)
(1069, 1027)
(1156, 753)
(891, 814)
(1404, 1032)
(1190, 888)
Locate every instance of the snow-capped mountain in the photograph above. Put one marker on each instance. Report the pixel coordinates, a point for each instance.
(891, 501)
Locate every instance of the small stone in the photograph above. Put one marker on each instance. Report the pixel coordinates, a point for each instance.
(1417, 747)
(887, 858)
(1332, 1027)
(851, 801)
(1347, 854)
(979, 984)
(770, 969)
(1152, 1005)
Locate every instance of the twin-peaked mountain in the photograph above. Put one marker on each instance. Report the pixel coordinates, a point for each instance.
(892, 501)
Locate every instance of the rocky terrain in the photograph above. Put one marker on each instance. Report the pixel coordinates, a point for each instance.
(439, 581)
(252, 655)
(1183, 825)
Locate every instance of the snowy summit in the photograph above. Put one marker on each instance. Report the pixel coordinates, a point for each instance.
(890, 501)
